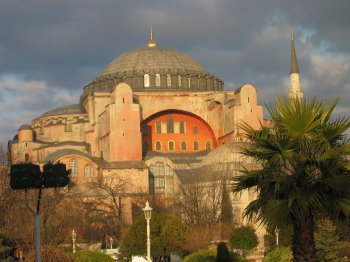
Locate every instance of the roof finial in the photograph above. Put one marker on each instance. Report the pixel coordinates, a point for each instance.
(151, 42)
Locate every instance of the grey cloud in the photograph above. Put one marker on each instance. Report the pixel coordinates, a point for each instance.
(65, 44)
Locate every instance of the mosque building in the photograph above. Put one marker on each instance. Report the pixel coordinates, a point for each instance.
(155, 117)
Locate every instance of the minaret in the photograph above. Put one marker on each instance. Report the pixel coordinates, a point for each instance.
(294, 74)
(151, 42)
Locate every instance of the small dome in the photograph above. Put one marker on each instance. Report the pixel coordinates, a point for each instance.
(25, 127)
(144, 60)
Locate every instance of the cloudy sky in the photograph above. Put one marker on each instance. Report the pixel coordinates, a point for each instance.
(50, 49)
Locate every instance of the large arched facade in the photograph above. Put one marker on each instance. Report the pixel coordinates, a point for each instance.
(174, 131)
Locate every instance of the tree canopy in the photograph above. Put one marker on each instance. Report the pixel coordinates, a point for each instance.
(243, 238)
(301, 169)
(167, 233)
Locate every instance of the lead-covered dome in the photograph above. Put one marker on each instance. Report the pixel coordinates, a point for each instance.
(155, 59)
(154, 69)
(227, 159)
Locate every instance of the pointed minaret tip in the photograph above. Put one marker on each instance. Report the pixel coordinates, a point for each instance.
(293, 58)
(295, 91)
(151, 42)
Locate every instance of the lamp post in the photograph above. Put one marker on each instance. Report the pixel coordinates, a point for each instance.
(111, 242)
(74, 237)
(277, 233)
(147, 209)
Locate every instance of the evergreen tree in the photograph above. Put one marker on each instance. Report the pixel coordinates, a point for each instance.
(226, 206)
(222, 254)
(326, 239)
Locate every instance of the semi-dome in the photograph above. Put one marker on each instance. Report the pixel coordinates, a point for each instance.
(65, 110)
(154, 69)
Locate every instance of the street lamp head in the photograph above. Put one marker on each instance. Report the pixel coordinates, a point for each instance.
(147, 209)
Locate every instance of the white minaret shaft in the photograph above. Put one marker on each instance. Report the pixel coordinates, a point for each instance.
(295, 91)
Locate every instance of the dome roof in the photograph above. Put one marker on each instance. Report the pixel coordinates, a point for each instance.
(65, 110)
(227, 159)
(154, 69)
(25, 127)
(155, 59)
(227, 153)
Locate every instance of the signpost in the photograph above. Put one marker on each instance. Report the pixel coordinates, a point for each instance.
(28, 176)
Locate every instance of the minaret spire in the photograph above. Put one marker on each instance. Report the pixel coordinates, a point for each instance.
(151, 41)
(295, 91)
(293, 58)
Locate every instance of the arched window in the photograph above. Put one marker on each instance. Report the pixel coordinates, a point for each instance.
(171, 146)
(146, 80)
(88, 173)
(73, 166)
(168, 80)
(189, 82)
(195, 145)
(158, 127)
(157, 79)
(170, 124)
(179, 80)
(158, 146)
(183, 145)
(195, 130)
(208, 145)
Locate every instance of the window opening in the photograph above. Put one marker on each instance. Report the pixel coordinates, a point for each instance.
(182, 127)
(168, 80)
(171, 145)
(73, 166)
(208, 145)
(146, 80)
(170, 124)
(158, 127)
(195, 145)
(157, 79)
(158, 145)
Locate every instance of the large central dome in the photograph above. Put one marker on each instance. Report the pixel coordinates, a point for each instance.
(153, 59)
(154, 69)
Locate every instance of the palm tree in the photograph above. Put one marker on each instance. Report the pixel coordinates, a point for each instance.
(301, 170)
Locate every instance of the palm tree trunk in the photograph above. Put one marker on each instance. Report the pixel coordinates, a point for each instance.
(303, 245)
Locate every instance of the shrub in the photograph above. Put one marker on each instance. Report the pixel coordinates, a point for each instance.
(243, 238)
(91, 256)
(279, 254)
(210, 256)
(235, 257)
(201, 256)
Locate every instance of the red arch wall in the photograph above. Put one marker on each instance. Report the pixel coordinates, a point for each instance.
(204, 134)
